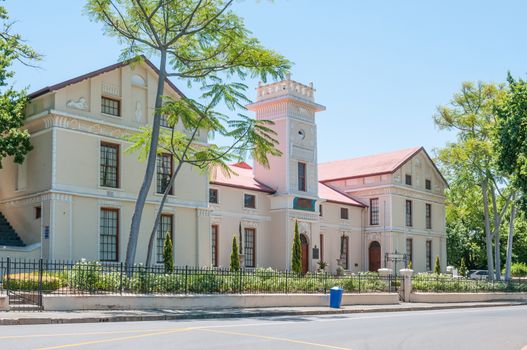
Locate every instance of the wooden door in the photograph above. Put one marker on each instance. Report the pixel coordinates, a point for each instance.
(305, 253)
(374, 254)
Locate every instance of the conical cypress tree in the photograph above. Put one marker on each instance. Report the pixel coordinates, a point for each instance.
(462, 267)
(168, 253)
(235, 258)
(437, 266)
(296, 254)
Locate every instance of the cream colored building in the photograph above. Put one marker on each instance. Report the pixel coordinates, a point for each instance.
(74, 195)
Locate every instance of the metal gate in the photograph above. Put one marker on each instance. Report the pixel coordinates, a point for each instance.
(22, 282)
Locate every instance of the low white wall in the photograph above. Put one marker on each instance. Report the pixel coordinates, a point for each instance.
(146, 302)
(465, 297)
(4, 303)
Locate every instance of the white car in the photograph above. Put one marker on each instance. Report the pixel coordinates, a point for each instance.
(478, 274)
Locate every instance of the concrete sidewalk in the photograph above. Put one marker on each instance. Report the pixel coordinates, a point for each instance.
(49, 317)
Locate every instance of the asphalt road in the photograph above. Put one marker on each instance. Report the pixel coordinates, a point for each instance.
(500, 328)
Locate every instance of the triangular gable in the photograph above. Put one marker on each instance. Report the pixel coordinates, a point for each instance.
(100, 71)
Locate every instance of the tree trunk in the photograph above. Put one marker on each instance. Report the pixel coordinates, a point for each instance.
(158, 216)
(509, 241)
(496, 235)
(150, 166)
(488, 236)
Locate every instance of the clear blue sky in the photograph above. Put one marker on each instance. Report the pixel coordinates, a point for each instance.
(380, 67)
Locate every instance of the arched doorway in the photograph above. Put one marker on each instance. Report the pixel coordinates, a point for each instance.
(374, 254)
(305, 253)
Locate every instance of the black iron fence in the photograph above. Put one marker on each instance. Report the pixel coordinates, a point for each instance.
(447, 284)
(83, 277)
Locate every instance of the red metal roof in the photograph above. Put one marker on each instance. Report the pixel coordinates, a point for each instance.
(332, 195)
(242, 178)
(97, 72)
(364, 166)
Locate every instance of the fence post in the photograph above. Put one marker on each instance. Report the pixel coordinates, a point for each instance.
(121, 280)
(359, 282)
(406, 283)
(40, 273)
(8, 272)
(186, 279)
(240, 281)
(286, 281)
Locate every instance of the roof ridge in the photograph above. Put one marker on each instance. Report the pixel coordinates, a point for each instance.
(372, 155)
(100, 71)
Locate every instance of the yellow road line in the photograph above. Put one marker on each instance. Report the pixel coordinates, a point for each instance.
(81, 334)
(73, 345)
(326, 346)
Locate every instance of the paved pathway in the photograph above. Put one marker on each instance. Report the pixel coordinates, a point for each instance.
(13, 318)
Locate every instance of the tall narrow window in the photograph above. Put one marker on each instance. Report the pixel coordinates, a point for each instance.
(374, 211)
(109, 234)
(344, 252)
(410, 249)
(344, 213)
(109, 165)
(409, 221)
(250, 247)
(38, 212)
(301, 176)
(166, 226)
(110, 106)
(428, 216)
(428, 184)
(249, 201)
(213, 196)
(165, 168)
(408, 180)
(214, 245)
(321, 247)
(428, 255)
(320, 213)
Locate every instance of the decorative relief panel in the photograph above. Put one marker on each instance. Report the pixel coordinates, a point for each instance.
(301, 153)
(80, 104)
(109, 89)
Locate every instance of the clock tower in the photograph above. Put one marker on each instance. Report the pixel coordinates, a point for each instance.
(291, 106)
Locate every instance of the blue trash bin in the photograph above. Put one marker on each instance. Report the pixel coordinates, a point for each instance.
(335, 297)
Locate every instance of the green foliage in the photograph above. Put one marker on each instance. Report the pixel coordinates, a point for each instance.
(511, 135)
(235, 258)
(519, 270)
(410, 265)
(30, 282)
(14, 141)
(444, 283)
(296, 252)
(322, 265)
(437, 266)
(168, 253)
(462, 268)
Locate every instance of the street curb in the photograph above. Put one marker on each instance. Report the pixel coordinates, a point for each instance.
(233, 314)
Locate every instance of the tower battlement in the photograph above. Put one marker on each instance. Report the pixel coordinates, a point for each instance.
(284, 88)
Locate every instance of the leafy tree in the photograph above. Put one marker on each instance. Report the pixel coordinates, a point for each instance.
(437, 266)
(168, 253)
(511, 134)
(14, 142)
(296, 253)
(471, 160)
(235, 258)
(200, 41)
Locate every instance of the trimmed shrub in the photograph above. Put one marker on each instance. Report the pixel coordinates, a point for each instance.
(296, 252)
(519, 270)
(235, 258)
